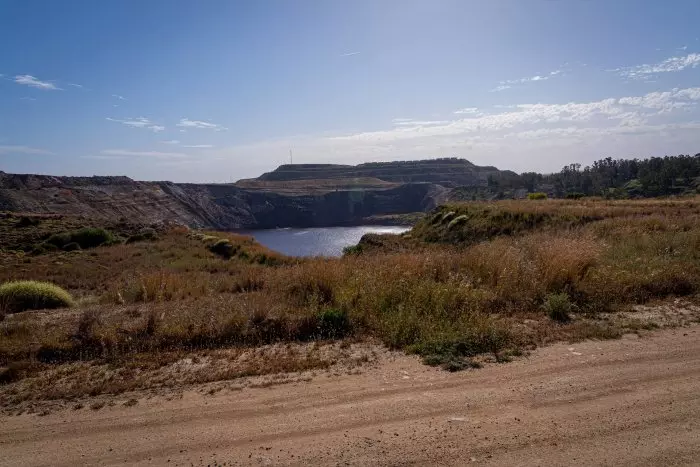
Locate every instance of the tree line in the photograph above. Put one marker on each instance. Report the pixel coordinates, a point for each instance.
(614, 178)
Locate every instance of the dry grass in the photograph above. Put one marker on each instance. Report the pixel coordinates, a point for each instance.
(445, 301)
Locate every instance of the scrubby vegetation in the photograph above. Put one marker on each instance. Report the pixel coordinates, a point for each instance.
(88, 237)
(470, 279)
(19, 296)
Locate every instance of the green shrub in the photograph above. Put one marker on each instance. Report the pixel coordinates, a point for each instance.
(72, 246)
(25, 221)
(354, 250)
(223, 248)
(42, 248)
(210, 238)
(559, 307)
(333, 323)
(447, 217)
(19, 296)
(91, 237)
(59, 240)
(145, 235)
(88, 237)
(538, 195)
(459, 220)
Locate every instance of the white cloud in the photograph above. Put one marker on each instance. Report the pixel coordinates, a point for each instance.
(150, 154)
(467, 111)
(32, 99)
(29, 80)
(601, 113)
(117, 96)
(350, 54)
(24, 150)
(409, 122)
(175, 142)
(187, 123)
(507, 84)
(75, 85)
(669, 65)
(500, 88)
(140, 122)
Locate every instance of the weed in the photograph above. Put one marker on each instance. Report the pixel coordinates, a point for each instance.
(558, 307)
(333, 323)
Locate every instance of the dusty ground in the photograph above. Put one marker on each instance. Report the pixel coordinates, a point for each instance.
(634, 401)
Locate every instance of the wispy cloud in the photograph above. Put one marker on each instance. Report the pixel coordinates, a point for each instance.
(140, 122)
(187, 123)
(32, 99)
(176, 142)
(409, 122)
(29, 80)
(75, 85)
(151, 154)
(350, 54)
(670, 65)
(467, 111)
(24, 150)
(501, 87)
(625, 111)
(507, 84)
(117, 96)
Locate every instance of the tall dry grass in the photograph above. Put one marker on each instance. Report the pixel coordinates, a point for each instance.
(446, 302)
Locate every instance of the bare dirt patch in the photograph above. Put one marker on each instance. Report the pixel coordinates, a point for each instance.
(631, 401)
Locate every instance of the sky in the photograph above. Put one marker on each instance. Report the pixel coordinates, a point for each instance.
(219, 90)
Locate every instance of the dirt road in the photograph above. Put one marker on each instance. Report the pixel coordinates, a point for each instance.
(626, 402)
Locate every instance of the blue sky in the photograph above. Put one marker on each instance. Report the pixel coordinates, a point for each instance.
(217, 90)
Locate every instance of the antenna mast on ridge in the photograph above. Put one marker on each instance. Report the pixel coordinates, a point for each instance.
(291, 160)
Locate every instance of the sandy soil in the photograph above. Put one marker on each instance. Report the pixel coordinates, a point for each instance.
(626, 402)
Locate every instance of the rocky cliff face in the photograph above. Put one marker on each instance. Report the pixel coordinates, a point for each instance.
(206, 205)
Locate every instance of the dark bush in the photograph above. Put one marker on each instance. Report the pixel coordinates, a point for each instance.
(145, 235)
(59, 240)
(25, 221)
(91, 237)
(223, 248)
(88, 237)
(72, 246)
(354, 250)
(42, 248)
(559, 307)
(333, 323)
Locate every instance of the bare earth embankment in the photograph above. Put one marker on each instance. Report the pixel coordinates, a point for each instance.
(632, 401)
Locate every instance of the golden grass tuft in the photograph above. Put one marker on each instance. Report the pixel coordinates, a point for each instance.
(17, 296)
